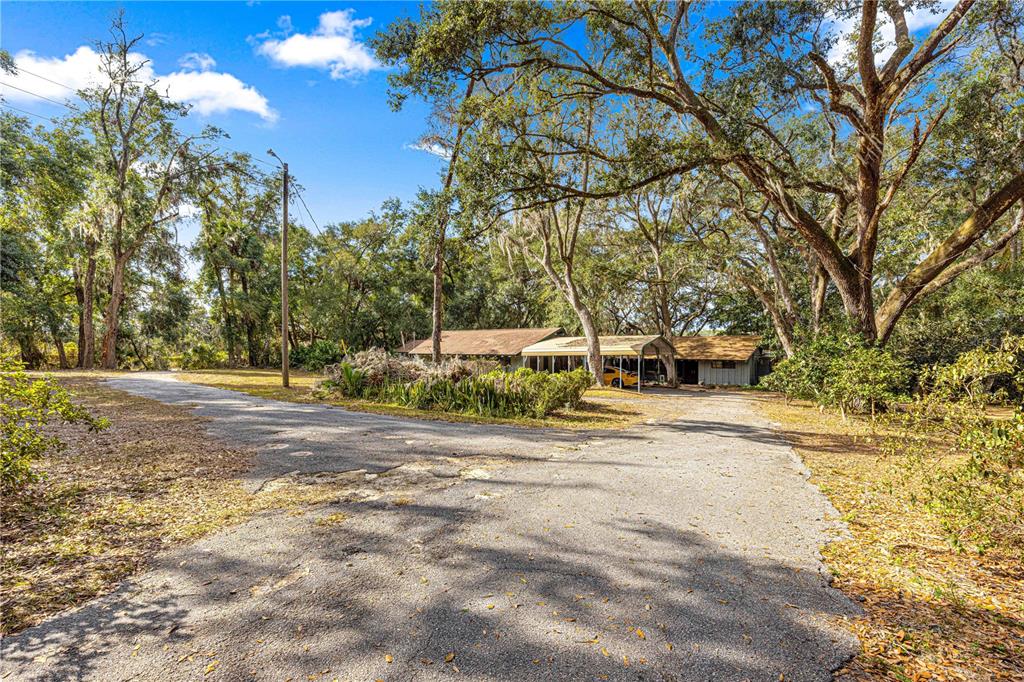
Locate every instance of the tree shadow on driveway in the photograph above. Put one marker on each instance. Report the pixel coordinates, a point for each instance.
(444, 587)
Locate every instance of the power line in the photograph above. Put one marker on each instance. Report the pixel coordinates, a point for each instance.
(221, 147)
(48, 80)
(36, 94)
(74, 108)
(23, 111)
(308, 212)
(249, 154)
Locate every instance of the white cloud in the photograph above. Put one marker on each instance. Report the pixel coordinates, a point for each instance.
(434, 148)
(333, 46)
(209, 92)
(197, 61)
(78, 70)
(917, 19)
(154, 39)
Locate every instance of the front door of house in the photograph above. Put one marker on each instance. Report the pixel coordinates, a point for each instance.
(687, 370)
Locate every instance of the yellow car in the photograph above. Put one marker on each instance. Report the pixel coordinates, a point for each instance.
(612, 377)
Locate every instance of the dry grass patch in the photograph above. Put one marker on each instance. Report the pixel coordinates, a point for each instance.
(602, 408)
(113, 499)
(931, 611)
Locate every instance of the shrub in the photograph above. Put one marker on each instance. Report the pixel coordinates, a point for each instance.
(978, 491)
(26, 406)
(344, 379)
(982, 497)
(316, 355)
(203, 356)
(841, 372)
(864, 378)
(471, 387)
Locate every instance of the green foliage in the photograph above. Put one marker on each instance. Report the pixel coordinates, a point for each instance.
(316, 355)
(455, 386)
(970, 457)
(345, 380)
(27, 405)
(204, 356)
(982, 498)
(840, 371)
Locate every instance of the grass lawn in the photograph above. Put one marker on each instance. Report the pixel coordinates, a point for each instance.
(931, 612)
(602, 407)
(113, 499)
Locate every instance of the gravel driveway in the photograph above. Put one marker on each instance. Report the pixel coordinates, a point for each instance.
(684, 550)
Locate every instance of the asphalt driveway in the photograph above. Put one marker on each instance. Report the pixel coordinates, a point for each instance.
(684, 550)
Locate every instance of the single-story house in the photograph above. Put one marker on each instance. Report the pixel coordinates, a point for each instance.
(503, 345)
(718, 360)
(644, 355)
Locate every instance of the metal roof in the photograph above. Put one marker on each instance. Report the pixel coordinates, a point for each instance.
(738, 348)
(610, 345)
(487, 342)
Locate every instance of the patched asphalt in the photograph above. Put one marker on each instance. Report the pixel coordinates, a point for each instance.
(683, 550)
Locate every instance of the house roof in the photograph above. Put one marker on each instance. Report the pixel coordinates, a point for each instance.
(610, 345)
(481, 341)
(738, 348)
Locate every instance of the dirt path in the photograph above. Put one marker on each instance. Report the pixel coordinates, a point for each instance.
(684, 550)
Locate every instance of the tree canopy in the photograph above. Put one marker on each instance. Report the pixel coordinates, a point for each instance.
(789, 169)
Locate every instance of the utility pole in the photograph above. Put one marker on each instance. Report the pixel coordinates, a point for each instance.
(284, 273)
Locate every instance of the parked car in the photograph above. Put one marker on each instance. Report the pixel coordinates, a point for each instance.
(613, 377)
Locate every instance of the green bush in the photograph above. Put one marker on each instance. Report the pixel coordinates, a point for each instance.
(344, 379)
(839, 371)
(315, 356)
(971, 458)
(455, 386)
(982, 497)
(203, 356)
(27, 405)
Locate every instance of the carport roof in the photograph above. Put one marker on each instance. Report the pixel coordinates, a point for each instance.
(738, 348)
(487, 342)
(610, 345)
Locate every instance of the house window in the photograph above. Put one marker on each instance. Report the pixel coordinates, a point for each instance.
(723, 364)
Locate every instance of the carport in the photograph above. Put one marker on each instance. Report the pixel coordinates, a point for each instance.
(568, 352)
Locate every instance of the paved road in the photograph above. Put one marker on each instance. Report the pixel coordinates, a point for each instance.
(684, 550)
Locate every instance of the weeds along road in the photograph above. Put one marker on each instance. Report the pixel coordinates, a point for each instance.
(682, 550)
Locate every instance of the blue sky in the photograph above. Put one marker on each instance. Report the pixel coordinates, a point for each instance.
(294, 76)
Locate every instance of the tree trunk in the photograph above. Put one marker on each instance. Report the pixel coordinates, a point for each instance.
(819, 289)
(665, 326)
(80, 302)
(250, 325)
(62, 356)
(437, 307)
(112, 316)
(84, 287)
(568, 288)
(229, 328)
(88, 343)
(946, 254)
(138, 354)
(442, 229)
(869, 168)
(30, 354)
